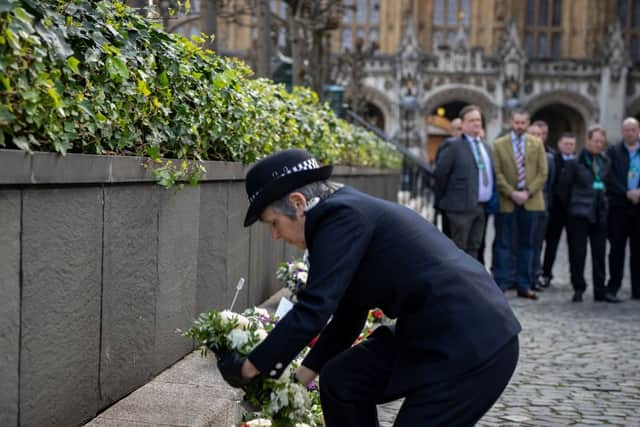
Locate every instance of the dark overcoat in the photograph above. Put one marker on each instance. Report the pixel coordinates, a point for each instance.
(575, 188)
(364, 253)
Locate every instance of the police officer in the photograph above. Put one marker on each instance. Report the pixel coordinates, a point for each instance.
(454, 345)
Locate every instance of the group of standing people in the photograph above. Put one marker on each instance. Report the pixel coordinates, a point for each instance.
(535, 192)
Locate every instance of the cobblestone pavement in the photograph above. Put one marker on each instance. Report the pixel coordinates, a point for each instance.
(579, 363)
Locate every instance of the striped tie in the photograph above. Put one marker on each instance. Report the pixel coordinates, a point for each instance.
(520, 164)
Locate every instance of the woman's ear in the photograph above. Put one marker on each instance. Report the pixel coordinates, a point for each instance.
(299, 202)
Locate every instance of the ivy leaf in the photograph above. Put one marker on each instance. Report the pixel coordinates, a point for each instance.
(61, 146)
(22, 143)
(7, 6)
(72, 63)
(55, 38)
(117, 69)
(143, 88)
(6, 116)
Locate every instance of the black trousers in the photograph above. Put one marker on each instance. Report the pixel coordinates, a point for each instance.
(624, 225)
(557, 222)
(353, 382)
(580, 230)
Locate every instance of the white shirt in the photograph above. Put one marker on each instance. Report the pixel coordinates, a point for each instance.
(484, 191)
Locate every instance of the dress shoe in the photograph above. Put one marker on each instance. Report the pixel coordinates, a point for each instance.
(611, 298)
(528, 294)
(577, 297)
(607, 298)
(544, 282)
(537, 288)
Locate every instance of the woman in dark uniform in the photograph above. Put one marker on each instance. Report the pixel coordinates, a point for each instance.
(454, 346)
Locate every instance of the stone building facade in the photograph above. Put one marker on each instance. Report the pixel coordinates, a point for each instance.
(572, 63)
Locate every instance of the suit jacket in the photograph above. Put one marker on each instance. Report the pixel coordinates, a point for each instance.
(504, 164)
(617, 179)
(365, 252)
(547, 190)
(575, 189)
(456, 175)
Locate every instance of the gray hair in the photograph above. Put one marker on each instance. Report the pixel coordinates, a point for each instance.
(630, 121)
(319, 189)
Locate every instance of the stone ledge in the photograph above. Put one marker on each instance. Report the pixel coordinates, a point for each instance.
(190, 393)
(19, 168)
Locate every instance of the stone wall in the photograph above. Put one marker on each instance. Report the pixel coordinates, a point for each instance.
(99, 266)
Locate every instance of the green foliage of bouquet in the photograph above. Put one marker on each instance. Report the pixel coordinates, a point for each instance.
(91, 76)
(281, 402)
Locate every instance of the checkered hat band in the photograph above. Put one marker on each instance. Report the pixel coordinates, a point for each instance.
(308, 164)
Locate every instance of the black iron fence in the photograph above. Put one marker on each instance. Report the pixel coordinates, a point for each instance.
(417, 185)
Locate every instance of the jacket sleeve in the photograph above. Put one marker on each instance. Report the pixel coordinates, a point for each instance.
(340, 238)
(444, 163)
(502, 184)
(339, 334)
(541, 168)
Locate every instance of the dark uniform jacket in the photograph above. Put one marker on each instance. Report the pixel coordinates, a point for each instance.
(576, 191)
(617, 179)
(364, 253)
(456, 175)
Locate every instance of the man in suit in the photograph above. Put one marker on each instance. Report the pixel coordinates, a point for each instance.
(464, 178)
(542, 133)
(557, 211)
(520, 166)
(454, 334)
(455, 132)
(623, 190)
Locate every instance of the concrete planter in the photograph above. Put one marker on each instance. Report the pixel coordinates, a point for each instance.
(99, 266)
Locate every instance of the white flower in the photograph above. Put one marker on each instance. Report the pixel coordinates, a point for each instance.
(261, 333)
(300, 396)
(259, 422)
(302, 276)
(300, 266)
(238, 338)
(229, 316)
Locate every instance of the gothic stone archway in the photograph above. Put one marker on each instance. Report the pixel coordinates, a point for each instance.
(564, 111)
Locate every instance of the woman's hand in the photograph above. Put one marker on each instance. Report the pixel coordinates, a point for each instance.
(305, 375)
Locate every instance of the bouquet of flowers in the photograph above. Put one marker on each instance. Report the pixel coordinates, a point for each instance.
(293, 274)
(281, 402)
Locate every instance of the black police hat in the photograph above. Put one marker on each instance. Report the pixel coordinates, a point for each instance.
(277, 175)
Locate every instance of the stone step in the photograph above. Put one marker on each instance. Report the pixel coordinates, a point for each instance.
(189, 393)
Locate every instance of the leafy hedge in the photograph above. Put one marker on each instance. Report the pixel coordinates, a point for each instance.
(91, 76)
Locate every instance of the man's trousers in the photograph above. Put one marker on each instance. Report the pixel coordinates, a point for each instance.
(580, 230)
(353, 382)
(623, 225)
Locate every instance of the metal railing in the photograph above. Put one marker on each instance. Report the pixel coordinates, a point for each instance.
(417, 182)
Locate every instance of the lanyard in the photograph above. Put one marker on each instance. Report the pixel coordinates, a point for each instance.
(477, 154)
(595, 167)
